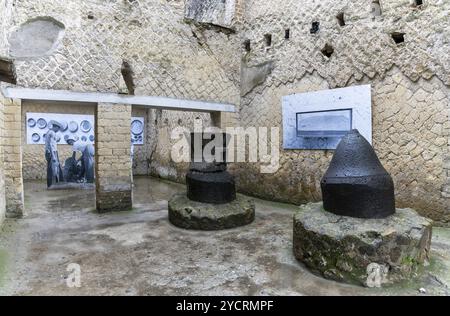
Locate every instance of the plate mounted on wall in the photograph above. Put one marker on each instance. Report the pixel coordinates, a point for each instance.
(31, 122)
(64, 126)
(41, 123)
(85, 126)
(35, 137)
(137, 127)
(73, 127)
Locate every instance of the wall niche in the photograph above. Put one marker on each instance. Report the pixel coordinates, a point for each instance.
(376, 8)
(341, 19)
(36, 38)
(398, 37)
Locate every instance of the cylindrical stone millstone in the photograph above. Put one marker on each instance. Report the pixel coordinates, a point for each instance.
(207, 180)
(356, 183)
(214, 187)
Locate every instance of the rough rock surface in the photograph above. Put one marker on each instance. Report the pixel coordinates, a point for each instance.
(215, 12)
(251, 77)
(189, 214)
(371, 252)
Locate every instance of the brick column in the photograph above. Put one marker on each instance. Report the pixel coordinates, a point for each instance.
(446, 189)
(112, 157)
(2, 168)
(12, 154)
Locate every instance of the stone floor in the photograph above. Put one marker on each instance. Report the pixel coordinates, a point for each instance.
(140, 253)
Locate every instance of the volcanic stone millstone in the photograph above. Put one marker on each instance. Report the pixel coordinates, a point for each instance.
(343, 248)
(189, 214)
(217, 187)
(356, 183)
(208, 181)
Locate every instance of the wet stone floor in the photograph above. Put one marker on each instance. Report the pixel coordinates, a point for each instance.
(141, 253)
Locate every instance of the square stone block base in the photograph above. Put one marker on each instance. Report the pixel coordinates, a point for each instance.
(114, 201)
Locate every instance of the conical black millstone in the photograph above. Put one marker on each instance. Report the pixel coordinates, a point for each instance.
(356, 183)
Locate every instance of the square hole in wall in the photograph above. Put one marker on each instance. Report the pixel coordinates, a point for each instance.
(314, 27)
(247, 45)
(341, 19)
(398, 37)
(376, 8)
(328, 50)
(268, 39)
(287, 34)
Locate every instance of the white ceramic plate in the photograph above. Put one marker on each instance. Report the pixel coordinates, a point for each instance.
(85, 126)
(41, 123)
(31, 122)
(137, 127)
(35, 137)
(73, 127)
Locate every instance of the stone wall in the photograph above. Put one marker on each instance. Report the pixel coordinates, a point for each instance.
(215, 12)
(168, 56)
(6, 7)
(410, 86)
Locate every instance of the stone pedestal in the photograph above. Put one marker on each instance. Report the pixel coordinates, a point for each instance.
(189, 214)
(369, 252)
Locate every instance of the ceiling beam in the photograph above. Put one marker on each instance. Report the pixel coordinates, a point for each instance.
(99, 97)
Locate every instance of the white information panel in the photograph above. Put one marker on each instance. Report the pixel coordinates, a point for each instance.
(319, 120)
(137, 130)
